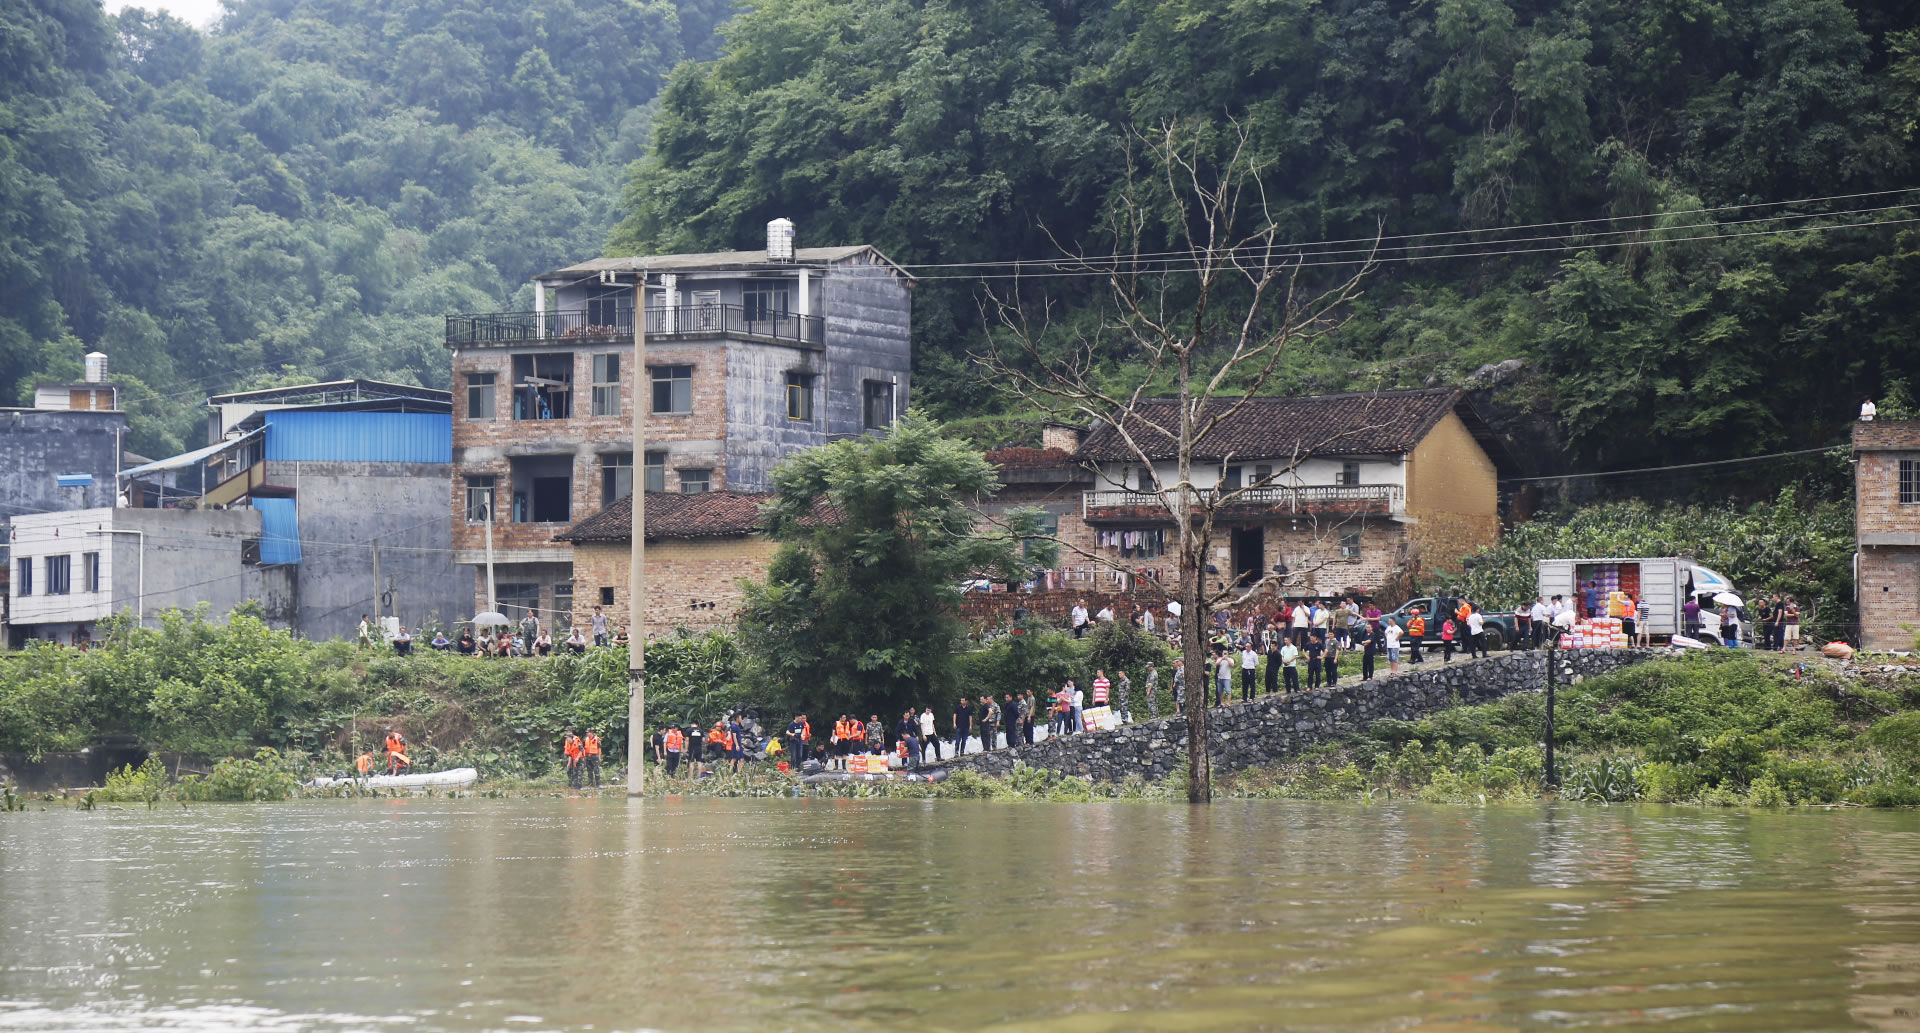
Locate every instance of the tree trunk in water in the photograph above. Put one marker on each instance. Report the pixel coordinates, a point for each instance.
(1193, 649)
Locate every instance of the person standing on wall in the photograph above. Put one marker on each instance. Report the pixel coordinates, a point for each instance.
(1027, 706)
(1369, 644)
(1123, 696)
(1249, 670)
(928, 737)
(1100, 688)
(1271, 645)
(989, 724)
(599, 627)
(962, 725)
(1153, 691)
(1179, 686)
(1315, 647)
(1416, 630)
(1476, 632)
(1010, 715)
(1331, 663)
(1289, 662)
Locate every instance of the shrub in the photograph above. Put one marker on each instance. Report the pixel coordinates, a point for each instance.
(145, 784)
(263, 776)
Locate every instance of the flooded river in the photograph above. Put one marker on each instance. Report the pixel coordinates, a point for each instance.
(839, 915)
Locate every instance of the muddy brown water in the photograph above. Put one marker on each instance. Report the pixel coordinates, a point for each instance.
(839, 915)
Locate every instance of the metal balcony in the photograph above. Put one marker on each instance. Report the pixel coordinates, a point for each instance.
(1389, 498)
(588, 325)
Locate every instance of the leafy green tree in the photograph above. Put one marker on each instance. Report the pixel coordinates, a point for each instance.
(876, 537)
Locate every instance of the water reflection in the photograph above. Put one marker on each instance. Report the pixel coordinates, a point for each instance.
(707, 915)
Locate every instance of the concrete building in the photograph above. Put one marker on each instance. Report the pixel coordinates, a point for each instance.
(1353, 491)
(751, 355)
(297, 499)
(698, 549)
(76, 568)
(60, 454)
(1886, 496)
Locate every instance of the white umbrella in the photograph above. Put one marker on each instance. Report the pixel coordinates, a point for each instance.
(1173, 608)
(481, 620)
(1728, 599)
(1707, 582)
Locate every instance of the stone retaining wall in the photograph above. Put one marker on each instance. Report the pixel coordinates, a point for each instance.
(1275, 728)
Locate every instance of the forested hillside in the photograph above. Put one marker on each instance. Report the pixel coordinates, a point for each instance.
(957, 131)
(307, 189)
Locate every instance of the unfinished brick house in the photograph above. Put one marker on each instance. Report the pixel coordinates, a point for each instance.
(751, 355)
(1370, 486)
(698, 549)
(1886, 496)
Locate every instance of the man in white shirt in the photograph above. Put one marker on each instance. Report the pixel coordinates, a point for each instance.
(1476, 633)
(1079, 619)
(1105, 614)
(1393, 632)
(1301, 613)
(1868, 411)
(1542, 621)
(927, 736)
(1146, 621)
(1249, 669)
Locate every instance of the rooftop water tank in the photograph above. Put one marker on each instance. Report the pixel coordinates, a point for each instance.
(96, 367)
(780, 240)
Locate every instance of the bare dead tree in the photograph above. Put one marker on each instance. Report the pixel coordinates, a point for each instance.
(1211, 319)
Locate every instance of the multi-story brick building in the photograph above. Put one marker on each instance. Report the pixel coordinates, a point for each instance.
(1358, 489)
(750, 355)
(1886, 495)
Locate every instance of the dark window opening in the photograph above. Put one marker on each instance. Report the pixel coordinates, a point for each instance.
(606, 385)
(877, 404)
(606, 596)
(672, 389)
(1910, 482)
(23, 580)
(1349, 473)
(799, 396)
(543, 386)
(695, 482)
(542, 489)
(59, 575)
(480, 388)
(616, 477)
(605, 305)
(1350, 546)
(1230, 478)
(765, 300)
(90, 570)
(656, 471)
(479, 497)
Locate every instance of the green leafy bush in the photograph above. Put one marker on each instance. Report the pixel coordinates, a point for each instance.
(263, 776)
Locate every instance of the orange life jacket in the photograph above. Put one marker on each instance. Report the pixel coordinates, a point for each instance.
(718, 736)
(395, 744)
(1461, 613)
(676, 740)
(593, 744)
(364, 763)
(856, 730)
(806, 731)
(1417, 627)
(572, 747)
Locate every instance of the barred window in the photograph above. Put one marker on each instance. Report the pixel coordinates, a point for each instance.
(1910, 482)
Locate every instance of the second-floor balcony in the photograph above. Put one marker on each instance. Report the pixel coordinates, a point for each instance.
(1275, 500)
(604, 323)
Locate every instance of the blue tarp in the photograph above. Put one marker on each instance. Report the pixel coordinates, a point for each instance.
(73, 480)
(279, 531)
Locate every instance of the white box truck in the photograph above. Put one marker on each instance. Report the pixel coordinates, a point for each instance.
(1665, 583)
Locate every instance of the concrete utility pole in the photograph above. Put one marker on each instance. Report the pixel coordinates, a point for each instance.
(378, 614)
(637, 563)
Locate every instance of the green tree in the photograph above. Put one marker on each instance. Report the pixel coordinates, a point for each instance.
(876, 538)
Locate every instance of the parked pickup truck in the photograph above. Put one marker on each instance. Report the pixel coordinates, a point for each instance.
(1499, 627)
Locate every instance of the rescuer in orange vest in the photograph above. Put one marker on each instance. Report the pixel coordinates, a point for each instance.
(1416, 630)
(591, 748)
(719, 741)
(842, 743)
(396, 752)
(573, 750)
(364, 764)
(676, 744)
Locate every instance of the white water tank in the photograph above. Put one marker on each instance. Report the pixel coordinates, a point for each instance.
(780, 240)
(96, 367)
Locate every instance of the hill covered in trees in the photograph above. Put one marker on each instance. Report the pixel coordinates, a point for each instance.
(1687, 316)
(306, 190)
(1592, 186)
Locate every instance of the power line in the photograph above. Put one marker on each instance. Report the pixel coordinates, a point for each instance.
(1190, 267)
(1448, 233)
(1676, 466)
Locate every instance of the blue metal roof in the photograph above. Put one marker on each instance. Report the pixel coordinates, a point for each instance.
(73, 480)
(279, 531)
(301, 436)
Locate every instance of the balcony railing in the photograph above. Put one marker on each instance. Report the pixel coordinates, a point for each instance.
(503, 329)
(1303, 497)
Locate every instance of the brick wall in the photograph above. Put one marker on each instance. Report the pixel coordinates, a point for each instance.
(690, 583)
(1452, 493)
(1889, 596)
(1881, 445)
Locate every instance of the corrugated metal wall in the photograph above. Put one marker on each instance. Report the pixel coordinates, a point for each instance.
(279, 531)
(359, 437)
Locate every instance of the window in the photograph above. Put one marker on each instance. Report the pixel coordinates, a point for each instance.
(480, 396)
(1262, 473)
(877, 404)
(23, 581)
(672, 389)
(90, 571)
(604, 305)
(606, 596)
(1910, 482)
(616, 476)
(479, 497)
(606, 385)
(1349, 473)
(59, 575)
(517, 599)
(764, 299)
(1144, 480)
(799, 396)
(1350, 546)
(1230, 479)
(543, 386)
(542, 489)
(562, 616)
(1049, 527)
(696, 482)
(656, 471)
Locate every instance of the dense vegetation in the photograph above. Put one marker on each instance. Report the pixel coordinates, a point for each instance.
(983, 130)
(306, 190)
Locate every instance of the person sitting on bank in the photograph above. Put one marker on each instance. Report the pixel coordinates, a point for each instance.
(440, 644)
(576, 640)
(403, 642)
(465, 643)
(543, 643)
